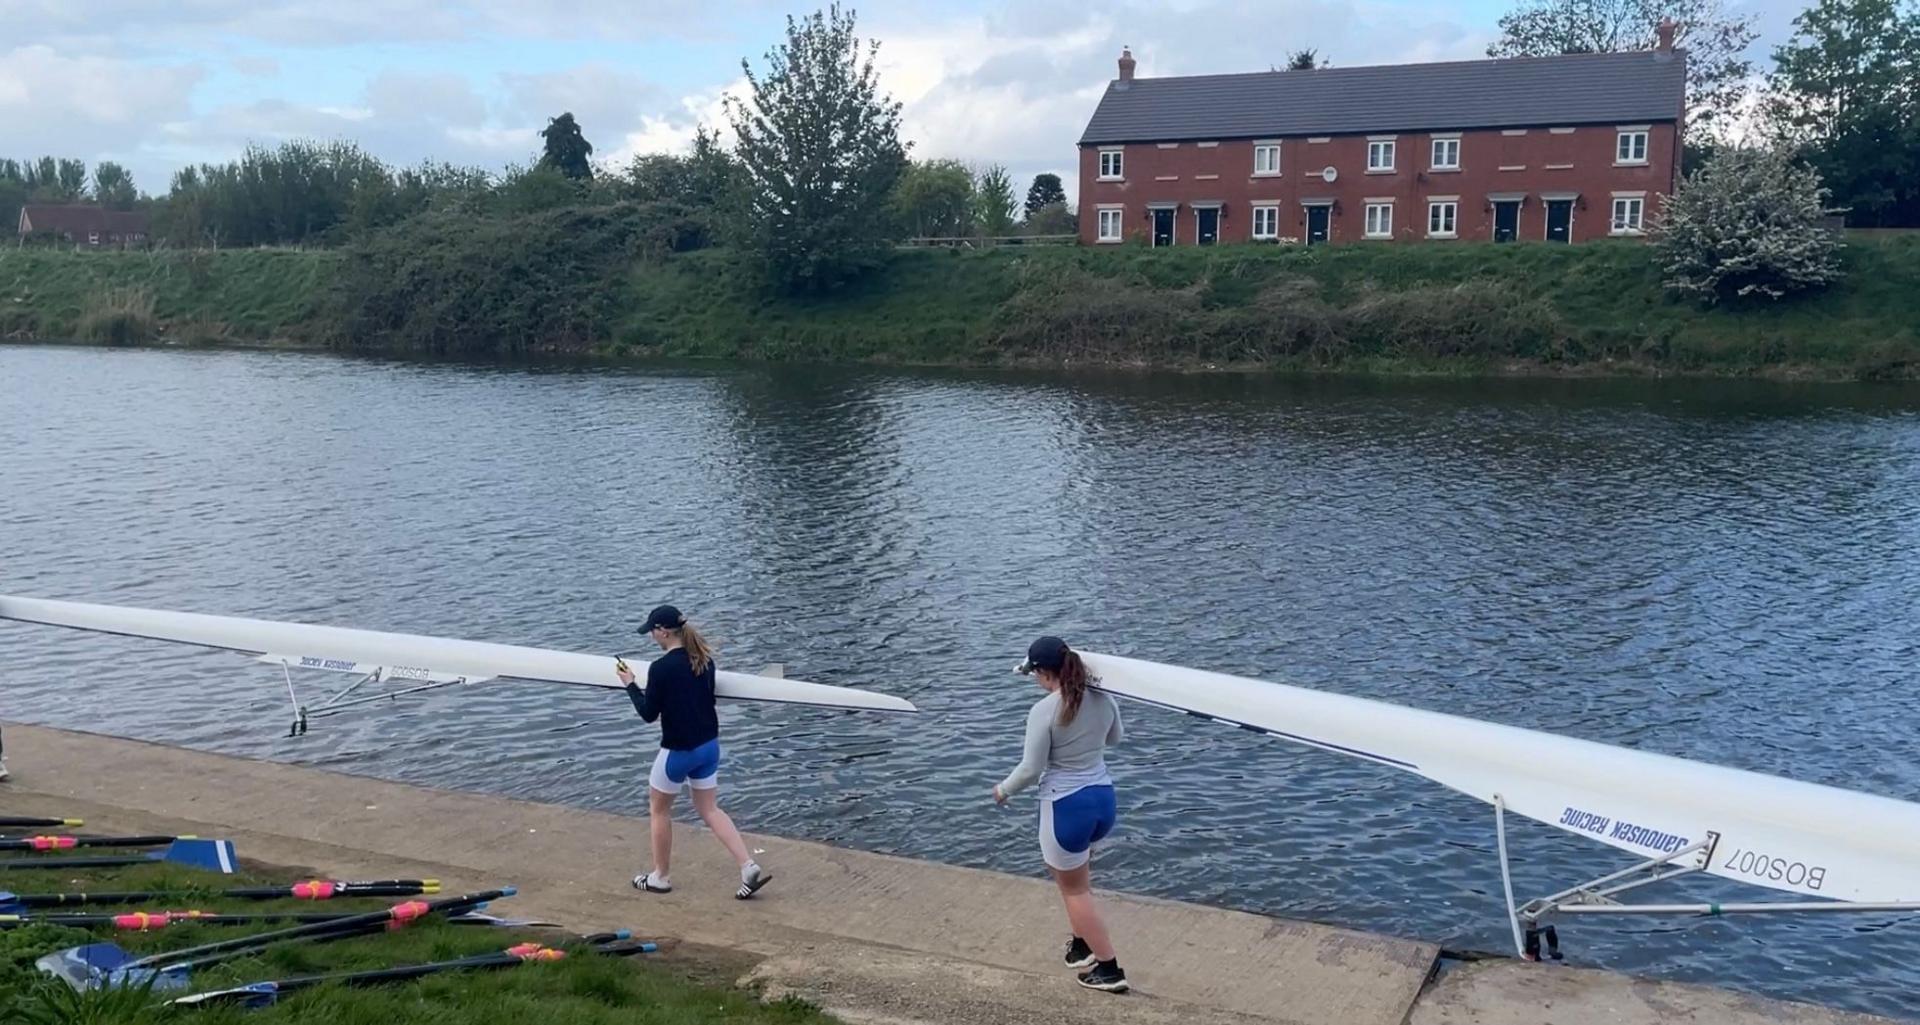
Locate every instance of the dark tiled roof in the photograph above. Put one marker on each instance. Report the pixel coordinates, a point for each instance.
(80, 219)
(1588, 88)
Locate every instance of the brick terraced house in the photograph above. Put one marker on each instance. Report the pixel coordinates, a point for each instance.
(1560, 149)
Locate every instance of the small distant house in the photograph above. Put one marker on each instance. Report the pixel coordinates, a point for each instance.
(84, 224)
(1561, 149)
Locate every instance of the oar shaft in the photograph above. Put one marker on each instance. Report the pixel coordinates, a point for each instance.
(62, 843)
(382, 888)
(372, 921)
(143, 921)
(30, 823)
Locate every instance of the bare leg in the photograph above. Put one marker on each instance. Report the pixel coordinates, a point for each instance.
(707, 803)
(1083, 913)
(660, 822)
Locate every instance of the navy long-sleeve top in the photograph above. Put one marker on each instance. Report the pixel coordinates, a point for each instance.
(680, 698)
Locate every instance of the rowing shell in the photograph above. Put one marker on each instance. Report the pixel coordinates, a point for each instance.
(409, 657)
(1769, 831)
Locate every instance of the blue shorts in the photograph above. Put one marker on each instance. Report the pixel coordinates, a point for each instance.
(698, 768)
(1071, 825)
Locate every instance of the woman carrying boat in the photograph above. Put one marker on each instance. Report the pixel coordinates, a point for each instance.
(679, 693)
(1068, 732)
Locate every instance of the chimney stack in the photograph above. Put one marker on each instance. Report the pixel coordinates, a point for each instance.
(1126, 64)
(1665, 34)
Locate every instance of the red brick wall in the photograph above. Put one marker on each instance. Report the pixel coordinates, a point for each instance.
(1536, 162)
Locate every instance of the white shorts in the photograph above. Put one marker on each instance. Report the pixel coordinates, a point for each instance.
(698, 768)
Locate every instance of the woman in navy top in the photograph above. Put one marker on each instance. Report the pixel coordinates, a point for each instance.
(679, 694)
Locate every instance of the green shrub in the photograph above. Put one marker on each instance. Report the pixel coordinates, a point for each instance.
(120, 316)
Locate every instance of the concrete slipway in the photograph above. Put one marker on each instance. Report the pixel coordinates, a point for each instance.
(873, 938)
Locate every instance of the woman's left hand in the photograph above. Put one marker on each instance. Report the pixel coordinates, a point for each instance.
(998, 797)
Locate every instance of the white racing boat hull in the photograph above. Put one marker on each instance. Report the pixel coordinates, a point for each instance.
(409, 656)
(1769, 831)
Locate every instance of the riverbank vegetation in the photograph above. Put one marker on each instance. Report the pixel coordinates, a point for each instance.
(782, 245)
(581, 989)
(619, 282)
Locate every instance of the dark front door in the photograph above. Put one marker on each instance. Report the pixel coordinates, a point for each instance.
(1506, 220)
(1163, 227)
(1207, 226)
(1317, 220)
(1559, 220)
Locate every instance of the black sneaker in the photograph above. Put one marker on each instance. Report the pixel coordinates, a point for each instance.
(1079, 955)
(1107, 977)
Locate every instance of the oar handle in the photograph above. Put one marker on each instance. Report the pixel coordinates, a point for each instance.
(67, 843)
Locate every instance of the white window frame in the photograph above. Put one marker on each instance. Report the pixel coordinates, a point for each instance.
(1119, 165)
(1272, 211)
(1624, 140)
(1635, 202)
(1433, 153)
(1452, 218)
(1376, 147)
(1261, 147)
(93, 238)
(1366, 225)
(1119, 218)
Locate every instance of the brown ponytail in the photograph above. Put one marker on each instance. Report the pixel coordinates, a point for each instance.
(1074, 681)
(699, 655)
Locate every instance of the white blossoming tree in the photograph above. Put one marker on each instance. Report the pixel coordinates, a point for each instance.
(1751, 222)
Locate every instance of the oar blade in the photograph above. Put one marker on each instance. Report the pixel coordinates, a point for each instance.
(210, 855)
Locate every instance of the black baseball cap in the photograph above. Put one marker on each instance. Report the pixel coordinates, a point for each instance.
(1049, 653)
(665, 615)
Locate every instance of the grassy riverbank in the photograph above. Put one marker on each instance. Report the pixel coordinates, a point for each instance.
(535, 287)
(581, 989)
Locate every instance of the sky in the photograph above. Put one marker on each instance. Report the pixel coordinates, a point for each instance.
(159, 85)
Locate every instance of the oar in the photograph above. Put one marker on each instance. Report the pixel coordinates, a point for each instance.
(148, 921)
(67, 843)
(213, 855)
(109, 964)
(312, 889)
(266, 994)
(11, 821)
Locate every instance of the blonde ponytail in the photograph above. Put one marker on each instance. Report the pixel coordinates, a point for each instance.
(699, 655)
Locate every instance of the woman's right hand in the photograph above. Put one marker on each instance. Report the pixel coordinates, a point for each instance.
(626, 675)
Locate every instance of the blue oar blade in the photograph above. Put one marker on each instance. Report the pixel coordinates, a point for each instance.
(84, 967)
(253, 996)
(211, 855)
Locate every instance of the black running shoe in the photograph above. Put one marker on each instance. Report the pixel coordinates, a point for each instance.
(1079, 955)
(1106, 976)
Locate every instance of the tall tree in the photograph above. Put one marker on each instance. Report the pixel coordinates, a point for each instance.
(73, 179)
(1845, 92)
(934, 199)
(567, 149)
(993, 200)
(1303, 60)
(1045, 191)
(819, 148)
(113, 186)
(1715, 42)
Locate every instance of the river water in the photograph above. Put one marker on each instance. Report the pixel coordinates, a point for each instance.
(1719, 570)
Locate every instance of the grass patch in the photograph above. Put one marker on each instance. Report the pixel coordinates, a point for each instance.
(582, 989)
(119, 316)
(614, 281)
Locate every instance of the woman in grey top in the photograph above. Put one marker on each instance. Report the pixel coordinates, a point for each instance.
(1067, 736)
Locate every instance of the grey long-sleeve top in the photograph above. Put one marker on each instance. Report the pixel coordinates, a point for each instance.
(1065, 758)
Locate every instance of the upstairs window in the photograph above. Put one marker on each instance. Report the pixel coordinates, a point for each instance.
(1631, 147)
(1380, 155)
(1266, 158)
(1110, 166)
(1446, 154)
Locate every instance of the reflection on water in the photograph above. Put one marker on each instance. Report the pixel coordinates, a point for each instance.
(1725, 571)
